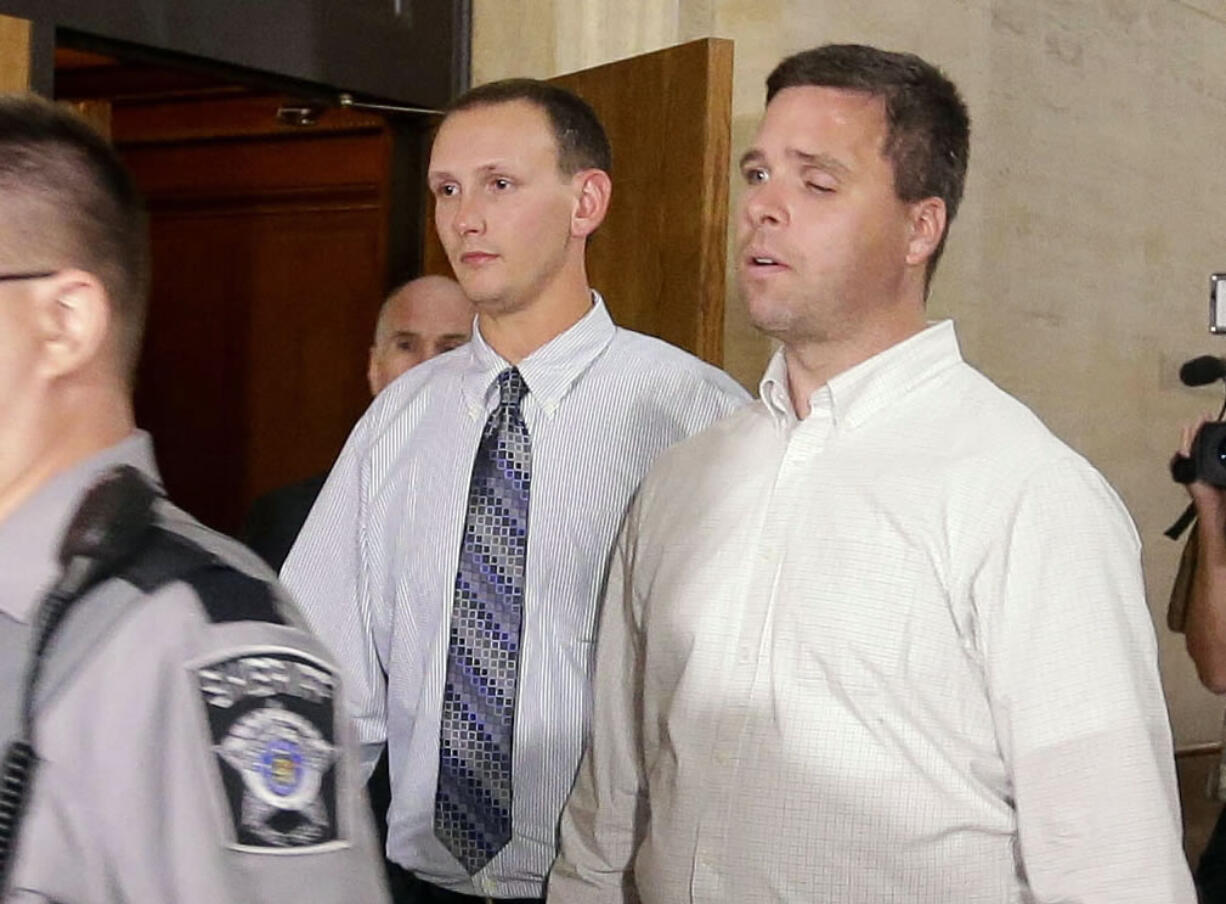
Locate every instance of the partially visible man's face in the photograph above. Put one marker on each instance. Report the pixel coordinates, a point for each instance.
(822, 234)
(502, 208)
(18, 366)
(425, 318)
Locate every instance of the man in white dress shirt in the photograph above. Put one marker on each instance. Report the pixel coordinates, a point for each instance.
(879, 637)
(465, 625)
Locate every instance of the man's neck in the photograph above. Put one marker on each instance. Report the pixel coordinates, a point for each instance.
(57, 444)
(518, 333)
(812, 364)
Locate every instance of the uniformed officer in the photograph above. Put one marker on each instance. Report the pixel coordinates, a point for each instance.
(187, 737)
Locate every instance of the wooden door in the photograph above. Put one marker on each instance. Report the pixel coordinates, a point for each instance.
(660, 257)
(269, 248)
(14, 54)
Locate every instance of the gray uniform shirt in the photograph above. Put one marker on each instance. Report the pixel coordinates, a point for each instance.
(182, 759)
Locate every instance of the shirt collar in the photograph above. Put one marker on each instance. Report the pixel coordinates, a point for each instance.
(774, 393)
(30, 536)
(550, 371)
(857, 393)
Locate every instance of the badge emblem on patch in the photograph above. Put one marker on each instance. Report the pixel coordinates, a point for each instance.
(273, 735)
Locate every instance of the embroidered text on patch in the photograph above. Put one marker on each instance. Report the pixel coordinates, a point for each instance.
(271, 720)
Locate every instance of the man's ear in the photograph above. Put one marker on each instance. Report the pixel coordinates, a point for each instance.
(74, 321)
(927, 227)
(593, 190)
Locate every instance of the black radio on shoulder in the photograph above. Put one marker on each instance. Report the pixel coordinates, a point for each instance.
(1208, 459)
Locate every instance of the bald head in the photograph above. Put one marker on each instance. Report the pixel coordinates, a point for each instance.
(423, 318)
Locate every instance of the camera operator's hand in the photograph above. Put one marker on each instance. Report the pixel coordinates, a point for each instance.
(1205, 627)
(1210, 500)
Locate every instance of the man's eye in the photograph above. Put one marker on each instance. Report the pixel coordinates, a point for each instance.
(404, 345)
(447, 190)
(819, 187)
(755, 175)
(501, 184)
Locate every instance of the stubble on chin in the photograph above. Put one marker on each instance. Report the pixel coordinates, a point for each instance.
(787, 320)
(496, 304)
(770, 315)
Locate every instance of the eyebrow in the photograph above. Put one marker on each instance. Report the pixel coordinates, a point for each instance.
(484, 170)
(822, 161)
(382, 339)
(753, 155)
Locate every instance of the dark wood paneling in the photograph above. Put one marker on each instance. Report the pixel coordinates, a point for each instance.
(95, 112)
(234, 117)
(224, 168)
(269, 264)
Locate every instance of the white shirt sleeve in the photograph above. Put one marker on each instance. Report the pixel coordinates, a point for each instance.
(1069, 653)
(329, 576)
(601, 820)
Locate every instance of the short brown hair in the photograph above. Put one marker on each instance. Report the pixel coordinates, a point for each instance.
(79, 208)
(928, 128)
(581, 139)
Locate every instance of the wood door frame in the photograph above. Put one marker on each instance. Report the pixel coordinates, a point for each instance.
(16, 49)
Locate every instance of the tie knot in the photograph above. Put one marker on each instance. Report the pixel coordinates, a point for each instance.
(511, 388)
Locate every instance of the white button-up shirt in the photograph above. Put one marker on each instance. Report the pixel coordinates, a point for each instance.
(897, 651)
(374, 569)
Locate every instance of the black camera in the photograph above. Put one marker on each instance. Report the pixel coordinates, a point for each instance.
(1208, 459)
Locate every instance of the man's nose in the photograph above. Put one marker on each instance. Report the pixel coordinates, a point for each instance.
(763, 204)
(469, 214)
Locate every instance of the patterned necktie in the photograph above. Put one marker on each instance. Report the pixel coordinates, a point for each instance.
(472, 806)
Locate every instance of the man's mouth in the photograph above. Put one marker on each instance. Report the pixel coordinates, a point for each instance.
(757, 261)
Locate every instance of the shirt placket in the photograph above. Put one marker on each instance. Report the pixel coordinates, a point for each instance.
(748, 675)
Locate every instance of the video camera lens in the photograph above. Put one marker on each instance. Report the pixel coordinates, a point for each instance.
(1209, 453)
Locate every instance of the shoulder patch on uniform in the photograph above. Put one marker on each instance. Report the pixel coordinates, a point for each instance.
(229, 595)
(272, 725)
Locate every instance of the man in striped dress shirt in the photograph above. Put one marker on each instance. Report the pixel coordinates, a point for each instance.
(553, 413)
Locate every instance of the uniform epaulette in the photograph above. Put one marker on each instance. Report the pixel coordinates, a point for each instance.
(226, 593)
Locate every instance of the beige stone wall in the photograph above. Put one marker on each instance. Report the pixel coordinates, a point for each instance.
(1095, 208)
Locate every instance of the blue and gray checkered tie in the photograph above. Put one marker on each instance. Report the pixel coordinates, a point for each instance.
(472, 806)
